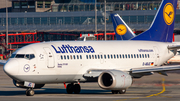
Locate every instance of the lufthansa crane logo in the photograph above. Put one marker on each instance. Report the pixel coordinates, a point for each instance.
(168, 13)
(121, 29)
(26, 68)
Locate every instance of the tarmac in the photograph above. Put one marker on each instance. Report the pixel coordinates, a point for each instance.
(148, 88)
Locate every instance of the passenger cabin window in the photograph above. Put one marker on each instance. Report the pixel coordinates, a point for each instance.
(80, 57)
(68, 57)
(95, 56)
(142, 55)
(148, 55)
(120, 56)
(145, 56)
(101, 56)
(111, 56)
(71, 56)
(92, 56)
(126, 55)
(108, 56)
(89, 56)
(98, 57)
(77, 57)
(139, 55)
(104, 56)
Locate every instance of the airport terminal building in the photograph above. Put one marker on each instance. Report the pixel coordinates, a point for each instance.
(77, 16)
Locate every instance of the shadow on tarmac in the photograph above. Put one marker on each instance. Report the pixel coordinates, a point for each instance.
(52, 91)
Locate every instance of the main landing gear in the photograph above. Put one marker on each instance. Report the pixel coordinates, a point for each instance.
(29, 92)
(73, 88)
(119, 91)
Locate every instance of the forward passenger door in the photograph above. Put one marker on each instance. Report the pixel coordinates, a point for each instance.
(50, 58)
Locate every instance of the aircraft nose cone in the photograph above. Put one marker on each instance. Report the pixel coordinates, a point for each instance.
(11, 67)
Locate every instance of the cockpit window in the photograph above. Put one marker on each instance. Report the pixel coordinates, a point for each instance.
(13, 56)
(26, 56)
(32, 56)
(19, 56)
(29, 56)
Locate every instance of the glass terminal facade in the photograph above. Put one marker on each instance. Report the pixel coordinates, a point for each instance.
(79, 15)
(116, 6)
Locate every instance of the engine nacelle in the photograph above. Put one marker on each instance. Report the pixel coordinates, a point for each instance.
(114, 80)
(21, 85)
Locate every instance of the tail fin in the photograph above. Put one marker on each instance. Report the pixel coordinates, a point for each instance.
(162, 26)
(123, 32)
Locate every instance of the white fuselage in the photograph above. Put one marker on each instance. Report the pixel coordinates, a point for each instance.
(68, 61)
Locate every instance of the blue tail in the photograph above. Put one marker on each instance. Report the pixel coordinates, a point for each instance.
(123, 32)
(162, 26)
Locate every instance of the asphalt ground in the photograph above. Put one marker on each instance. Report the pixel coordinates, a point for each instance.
(148, 88)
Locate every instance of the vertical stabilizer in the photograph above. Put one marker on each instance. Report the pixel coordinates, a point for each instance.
(123, 32)
(162, 26)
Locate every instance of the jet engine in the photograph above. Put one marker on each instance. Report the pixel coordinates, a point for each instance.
(114, 80)
(21, 85)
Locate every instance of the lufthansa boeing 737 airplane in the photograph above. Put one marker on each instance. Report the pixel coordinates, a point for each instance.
(112, 64)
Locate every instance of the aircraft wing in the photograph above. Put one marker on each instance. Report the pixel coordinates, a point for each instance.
(145, 71)
(156, 69)
(2, 62)
(93, 73)
(173, 47)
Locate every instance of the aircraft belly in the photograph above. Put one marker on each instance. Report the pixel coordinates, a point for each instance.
(49, 78)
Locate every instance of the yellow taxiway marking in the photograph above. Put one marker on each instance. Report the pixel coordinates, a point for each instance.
(163, 90)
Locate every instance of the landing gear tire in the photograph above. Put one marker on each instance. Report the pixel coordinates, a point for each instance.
(29, 92)
(114, 91)
(77, 89)
(122, 91)
(119, 91)
(69, 88)
(73, 88)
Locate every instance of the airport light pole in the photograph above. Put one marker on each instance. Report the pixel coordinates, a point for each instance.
(104, 19)
(6, 25)
(95, 18)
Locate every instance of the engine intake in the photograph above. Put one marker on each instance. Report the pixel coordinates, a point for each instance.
(114, 80)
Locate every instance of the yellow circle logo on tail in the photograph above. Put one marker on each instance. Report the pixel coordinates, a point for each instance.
(121, 29)
(168, 13)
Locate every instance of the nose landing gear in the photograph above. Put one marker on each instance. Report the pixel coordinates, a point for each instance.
(29, 92)
(73, 88)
